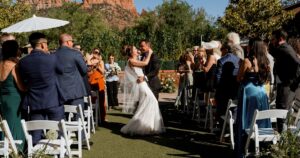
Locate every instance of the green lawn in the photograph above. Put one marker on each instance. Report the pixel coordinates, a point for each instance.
(182, 139)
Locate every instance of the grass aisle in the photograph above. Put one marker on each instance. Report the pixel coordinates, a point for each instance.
(182, 139)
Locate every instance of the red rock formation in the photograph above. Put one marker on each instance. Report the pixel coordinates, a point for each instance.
(44, 4)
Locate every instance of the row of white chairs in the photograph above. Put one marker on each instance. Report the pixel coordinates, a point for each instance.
(193, 107)
(67, 129)
(262, 134)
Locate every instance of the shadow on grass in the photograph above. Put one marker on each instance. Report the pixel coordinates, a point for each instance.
(121, 115)
(181, 134)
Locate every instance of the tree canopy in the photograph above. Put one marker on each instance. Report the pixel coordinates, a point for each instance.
(171, 27)
(255, 18)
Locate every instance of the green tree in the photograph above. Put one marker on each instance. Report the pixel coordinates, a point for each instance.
(255, 18)
(172, 27)
(12, 11)
(86, 26)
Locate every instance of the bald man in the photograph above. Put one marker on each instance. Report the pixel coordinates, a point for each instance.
(74, 68)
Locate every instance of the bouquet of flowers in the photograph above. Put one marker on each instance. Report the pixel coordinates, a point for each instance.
(168, 85)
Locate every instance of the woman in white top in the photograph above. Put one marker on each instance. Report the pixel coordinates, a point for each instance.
(112, 80)
(147, 118)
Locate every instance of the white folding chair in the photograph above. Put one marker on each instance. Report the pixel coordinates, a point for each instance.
(75, 110)
(210, 109)
(228, 119)
(295, 113)
(8, 144)
(74, 126)
(263, 134)
(96, 107)
(198, 103)
(89, 115)
(59, 146)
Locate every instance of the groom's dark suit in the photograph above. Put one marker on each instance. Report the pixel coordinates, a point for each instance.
(151, 71)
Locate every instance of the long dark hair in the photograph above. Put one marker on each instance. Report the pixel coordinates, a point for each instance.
(258, 50)
(10, 50)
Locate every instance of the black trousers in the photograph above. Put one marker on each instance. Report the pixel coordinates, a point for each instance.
(112, 93)
(284, 99)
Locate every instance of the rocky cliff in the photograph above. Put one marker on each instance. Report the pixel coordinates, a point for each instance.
(118, 13)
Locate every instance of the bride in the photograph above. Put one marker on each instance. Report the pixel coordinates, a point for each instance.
(147, 118)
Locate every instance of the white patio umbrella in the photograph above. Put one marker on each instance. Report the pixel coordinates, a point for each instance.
(34, 24)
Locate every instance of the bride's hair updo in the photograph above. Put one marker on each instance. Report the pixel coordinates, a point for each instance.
(128, 50)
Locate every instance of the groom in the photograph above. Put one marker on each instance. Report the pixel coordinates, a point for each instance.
(152, 69)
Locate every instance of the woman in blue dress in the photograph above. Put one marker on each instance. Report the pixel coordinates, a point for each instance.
(253, 73)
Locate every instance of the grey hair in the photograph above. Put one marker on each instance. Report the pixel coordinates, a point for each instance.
(234, 37)
(196, 47)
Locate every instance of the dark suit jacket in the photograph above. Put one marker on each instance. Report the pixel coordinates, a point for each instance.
(227, 70)
(74, 69)
(39, 73)
(227, 67)
(152, 71)
(286, 63)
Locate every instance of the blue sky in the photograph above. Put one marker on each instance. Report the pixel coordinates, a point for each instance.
(214, 8)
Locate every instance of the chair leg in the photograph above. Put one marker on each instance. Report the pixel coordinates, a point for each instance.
(186, 109)
(231, 133)
(87, 140)
(206, 116)
(89, 123)
(211, 121)
(195, 103)
(223, 130)
(93, 122)
(80, 143)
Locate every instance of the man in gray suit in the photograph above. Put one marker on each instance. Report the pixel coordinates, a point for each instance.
(74, 69)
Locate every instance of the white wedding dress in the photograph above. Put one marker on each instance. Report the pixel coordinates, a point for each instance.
(147, 118)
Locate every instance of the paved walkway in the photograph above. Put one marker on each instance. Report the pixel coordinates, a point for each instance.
(183, 138)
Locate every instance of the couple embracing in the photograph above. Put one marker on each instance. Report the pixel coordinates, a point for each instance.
(139, 98)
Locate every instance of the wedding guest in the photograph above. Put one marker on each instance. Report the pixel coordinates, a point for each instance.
(74, 69)
(285, 67)
(233, 40)
(112, 80)
(4, 37)
(186, 76)
(38, 70)
(10, 89)
(198, 73)
(210, 71)
(252, 75)
(189, 61)
(96, 75)
(226, 80)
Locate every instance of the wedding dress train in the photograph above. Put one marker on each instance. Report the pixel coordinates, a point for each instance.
(147, 118)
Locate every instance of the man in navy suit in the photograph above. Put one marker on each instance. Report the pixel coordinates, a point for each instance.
(74, 69)
(38, 71)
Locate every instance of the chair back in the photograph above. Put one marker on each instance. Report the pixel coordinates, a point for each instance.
(46, 125)
(272, 113)
(268, 114)
(40, 125)
(296, 110)
(7, 133)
